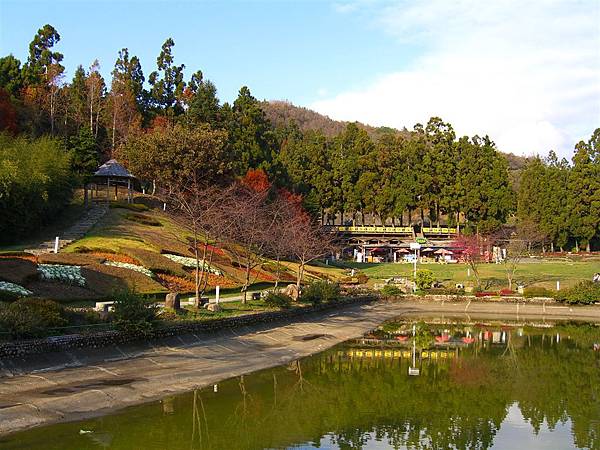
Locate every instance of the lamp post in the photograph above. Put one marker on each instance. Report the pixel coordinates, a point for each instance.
(415, 246)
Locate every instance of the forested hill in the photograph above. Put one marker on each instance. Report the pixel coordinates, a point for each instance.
(281, 113)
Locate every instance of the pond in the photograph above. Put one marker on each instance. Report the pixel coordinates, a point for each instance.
(472, 386)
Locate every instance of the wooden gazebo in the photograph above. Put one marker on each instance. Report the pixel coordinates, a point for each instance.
(111, 173)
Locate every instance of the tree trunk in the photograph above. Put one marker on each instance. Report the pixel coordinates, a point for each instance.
(246, 284)
(277, 274)
(92, 110)
(114, 124)
(97, 119)
(197, 298)
(52, 110)
(300, 274)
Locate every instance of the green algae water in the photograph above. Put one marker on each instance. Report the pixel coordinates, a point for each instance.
(405, 385)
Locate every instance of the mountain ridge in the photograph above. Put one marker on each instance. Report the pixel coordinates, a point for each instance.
(281, 112)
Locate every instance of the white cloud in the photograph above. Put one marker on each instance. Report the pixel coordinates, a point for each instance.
(527, 74)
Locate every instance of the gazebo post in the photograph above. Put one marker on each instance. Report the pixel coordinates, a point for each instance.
(107, 191)
(128, 190)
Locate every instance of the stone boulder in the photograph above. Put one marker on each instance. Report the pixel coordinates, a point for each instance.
(214, 307)
(291, 290)
(172, 301)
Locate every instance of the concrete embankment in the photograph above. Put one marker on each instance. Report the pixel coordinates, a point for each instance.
(84, 383)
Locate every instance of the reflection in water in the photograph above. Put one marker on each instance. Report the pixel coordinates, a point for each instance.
(478, 386)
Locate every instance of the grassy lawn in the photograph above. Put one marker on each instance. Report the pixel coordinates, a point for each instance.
(543, 273)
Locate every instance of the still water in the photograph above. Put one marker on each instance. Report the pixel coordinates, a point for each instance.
(472, 386)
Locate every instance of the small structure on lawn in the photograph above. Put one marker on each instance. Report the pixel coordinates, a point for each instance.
(111, 173)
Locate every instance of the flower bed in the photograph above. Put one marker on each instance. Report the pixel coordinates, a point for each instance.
(485, 294)
(129, 266)
(186, 261)
(59, 272)
(13, 288)
(181, 284)
(23, 256)
(117, 257)
(175, 283)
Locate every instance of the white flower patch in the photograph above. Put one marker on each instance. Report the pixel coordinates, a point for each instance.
(63, 273)
(186, 261)
(140, 269)
(14, 288)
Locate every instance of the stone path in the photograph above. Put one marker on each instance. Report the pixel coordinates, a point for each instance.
(75, 232)
(86, 383)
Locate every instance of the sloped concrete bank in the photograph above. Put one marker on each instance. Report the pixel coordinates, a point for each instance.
(110, 338)
(83, 383)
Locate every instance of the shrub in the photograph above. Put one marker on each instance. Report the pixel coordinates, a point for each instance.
(143, 219)
(390, 290)
(424, 279)
(278, 300)
(537, 291)
(585, 293)
(134, 313)
(362, 278)
(138, 207)
(320, 291)
(36, 183)
(31, 317)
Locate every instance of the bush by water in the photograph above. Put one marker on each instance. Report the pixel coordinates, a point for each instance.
(320, 291)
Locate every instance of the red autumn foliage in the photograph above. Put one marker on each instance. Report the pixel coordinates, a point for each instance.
(257, 180)
(8, 114)
(294, 201)
(159, 123)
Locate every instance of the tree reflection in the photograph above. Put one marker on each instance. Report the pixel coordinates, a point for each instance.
(359, 392)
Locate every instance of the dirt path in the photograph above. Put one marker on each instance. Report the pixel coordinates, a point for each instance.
(87, 383)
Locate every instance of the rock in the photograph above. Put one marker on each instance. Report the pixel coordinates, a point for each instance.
(172, 301)
(291, 290)
(214, 307)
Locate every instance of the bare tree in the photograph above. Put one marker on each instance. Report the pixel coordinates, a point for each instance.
(517, 243)
(278, 244)
(197, 208)
(249, 230)
(307, 241)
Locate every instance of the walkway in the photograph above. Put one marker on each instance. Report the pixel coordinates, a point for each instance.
(75, 232)
(87, 383)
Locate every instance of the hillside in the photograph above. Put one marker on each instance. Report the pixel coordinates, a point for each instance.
(281, 113)
(135, 246)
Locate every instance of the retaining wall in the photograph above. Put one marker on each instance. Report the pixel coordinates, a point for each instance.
(113, 337)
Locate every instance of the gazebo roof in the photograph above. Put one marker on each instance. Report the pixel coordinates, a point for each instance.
(112, 169)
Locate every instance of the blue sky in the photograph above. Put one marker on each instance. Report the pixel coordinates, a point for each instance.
(281, 50)
(526, 73)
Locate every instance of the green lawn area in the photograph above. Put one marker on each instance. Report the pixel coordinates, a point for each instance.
(539, 273)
